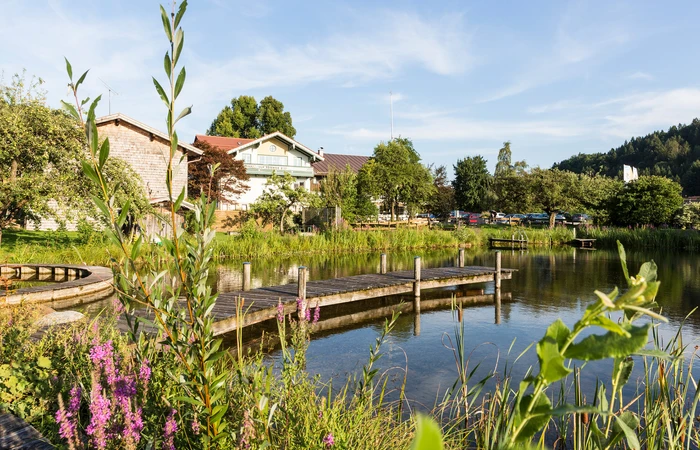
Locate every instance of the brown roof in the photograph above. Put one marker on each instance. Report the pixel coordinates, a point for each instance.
(224, 143)
(338, 162)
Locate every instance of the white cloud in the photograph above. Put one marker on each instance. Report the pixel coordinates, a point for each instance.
(640, 76)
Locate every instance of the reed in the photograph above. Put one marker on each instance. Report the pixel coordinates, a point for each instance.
(656, 238)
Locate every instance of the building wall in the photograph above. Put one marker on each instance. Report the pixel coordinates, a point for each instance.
(147, 156)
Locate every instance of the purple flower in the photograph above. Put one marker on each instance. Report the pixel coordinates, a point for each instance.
(145, 371)
(317, 313)
(328, 440)
(307, 314)
(117, 306)
(124, 388)
(195, 426)
(101, 412)
(300, 304)
(169, 431)
(74, 403)
(133, 425)
(280, 312)
(248, 430)
(66, 425)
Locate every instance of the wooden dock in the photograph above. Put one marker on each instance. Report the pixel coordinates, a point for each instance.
(17, 434)
(261, 304)
(512, 243)
(583, 243)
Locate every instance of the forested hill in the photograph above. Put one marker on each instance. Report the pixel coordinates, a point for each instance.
(674, 154)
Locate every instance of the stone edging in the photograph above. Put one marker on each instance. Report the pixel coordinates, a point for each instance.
(84, 284)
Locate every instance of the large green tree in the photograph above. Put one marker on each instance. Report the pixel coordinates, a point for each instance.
(472, 184)
(650, 200)
(244, 118)
(40, 152)
(442, 202)
(555, 191)
(395, 174)
(339, 189)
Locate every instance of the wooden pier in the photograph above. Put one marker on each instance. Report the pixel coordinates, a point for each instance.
(261, 304)
(583, 243)
(520, 242)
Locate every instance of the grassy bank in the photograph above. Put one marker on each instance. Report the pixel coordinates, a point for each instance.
(655, 238)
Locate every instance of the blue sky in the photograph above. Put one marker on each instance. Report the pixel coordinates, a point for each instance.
(554, 78)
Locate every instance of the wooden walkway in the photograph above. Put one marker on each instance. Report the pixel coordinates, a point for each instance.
(261, 304)
(17, 434)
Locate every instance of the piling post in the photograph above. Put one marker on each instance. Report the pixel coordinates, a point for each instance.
(382, 263)
(416, 323)
(497, 307)
(574, 233)
(416, 277)
(460, 258)
(497, 275)
(301, 290)
(246, 276)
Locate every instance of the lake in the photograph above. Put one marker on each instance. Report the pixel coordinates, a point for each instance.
(549, 284)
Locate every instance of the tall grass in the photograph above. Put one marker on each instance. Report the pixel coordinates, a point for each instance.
(659, 238)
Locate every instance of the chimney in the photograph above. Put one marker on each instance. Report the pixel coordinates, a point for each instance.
(320, 152)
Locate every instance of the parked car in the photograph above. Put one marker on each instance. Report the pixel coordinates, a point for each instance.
(474, 219)
(580, 218)
(537, 219)
(513, 219)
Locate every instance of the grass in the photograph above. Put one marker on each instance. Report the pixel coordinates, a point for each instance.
(655, 238)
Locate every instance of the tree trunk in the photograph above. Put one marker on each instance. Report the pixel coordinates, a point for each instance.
(393, 216)
(284, 213)
(552, 219)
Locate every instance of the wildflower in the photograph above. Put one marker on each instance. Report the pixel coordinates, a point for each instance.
(300, 304)
(248, 430)
(100, 412)
(133, 425)
(74, 403)
(280, 312)
(195, 426)
(67, 425)
(317, 313)
(145, 371)
(328, 440)
(169, 431)
(117, 306)
(307, 314)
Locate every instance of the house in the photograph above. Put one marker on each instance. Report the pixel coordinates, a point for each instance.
(146, 150)
(337, 162)
(274, 152)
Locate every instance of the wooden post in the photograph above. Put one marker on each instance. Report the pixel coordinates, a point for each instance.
(512, 240)
(497, 275)
(574, 232)
(301, 291)
(382, 263)
(416, 277)
(497, 307)
(460, 258)
(246, 276)
(416, 323)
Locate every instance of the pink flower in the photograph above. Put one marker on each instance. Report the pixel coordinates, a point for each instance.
(195, 426)
(328, 440)
(169, 431)
(317, 313)
(145, 371)
(280, 312)
(101, 412)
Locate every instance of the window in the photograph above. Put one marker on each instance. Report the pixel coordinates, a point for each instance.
(245, 157)
(273, 148)
(295, 161)
(272, 160)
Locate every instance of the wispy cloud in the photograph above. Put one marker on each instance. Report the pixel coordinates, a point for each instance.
(640, 76)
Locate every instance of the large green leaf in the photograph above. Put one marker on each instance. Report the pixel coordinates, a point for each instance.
(610, 345)
(625, 424)
(428, 436)
(622, 370)
(623, 261)
(548, 351)
(538, 417)
(648, 271)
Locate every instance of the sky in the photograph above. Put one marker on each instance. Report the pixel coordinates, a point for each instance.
(555, 78)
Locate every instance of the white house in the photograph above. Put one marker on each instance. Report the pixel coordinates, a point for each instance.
(274, 152)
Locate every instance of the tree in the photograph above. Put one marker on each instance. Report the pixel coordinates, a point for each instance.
(514, 193)
(282, 194)
(244, 118)
(689, 217)
(228, 179)
(339, 188)
(442, 202)
(395, 173)
(650, 200)
(555, 191)
(503, 166)
(40, 153)
(472, 183)
(272, 117)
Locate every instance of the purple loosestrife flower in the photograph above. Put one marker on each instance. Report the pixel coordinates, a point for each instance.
(74, 404)
(117, 306)
(317, 313)
(280, 312)
(195, 426)
(145, 371)
(248, 430)
(328, 440)
(307, 314)
(169, 431)
(100, 412)
(133, 425)
(67, 425)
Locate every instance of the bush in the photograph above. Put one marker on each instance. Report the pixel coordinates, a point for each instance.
(650, 200)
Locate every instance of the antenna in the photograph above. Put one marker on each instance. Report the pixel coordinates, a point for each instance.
(391, 109)
(110, 93)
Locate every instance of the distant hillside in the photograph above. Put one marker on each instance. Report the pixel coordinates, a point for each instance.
(674, 154)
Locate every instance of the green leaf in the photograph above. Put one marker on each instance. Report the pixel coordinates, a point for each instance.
(161, 92)
(623, 261)
(69, 69)
(548, 352)
(622, 371)
(179, 200)
(166, 23)
(179, 43)
(652, 353)
(71, 110)
(610, 344)
(81, 79)
(104, 152)
(573, 409)
(90, 172)
(605, 322)
(43, 362)
(539, 416)
(136, 248)
(124, 213)
(180, 82)
(648, 271)
(428, 435)
(166, 64)
(180, 13)
(190, 400)
(626, 423)
(184, 113)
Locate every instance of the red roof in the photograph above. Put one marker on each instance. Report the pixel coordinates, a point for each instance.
(224, 143)
(338, 162)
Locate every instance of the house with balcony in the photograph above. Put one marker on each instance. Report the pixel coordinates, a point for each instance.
(274, 152)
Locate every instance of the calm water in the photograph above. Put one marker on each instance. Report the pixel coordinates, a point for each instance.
(548, 285)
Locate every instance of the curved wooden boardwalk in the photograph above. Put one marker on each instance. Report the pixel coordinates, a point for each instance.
(261, 304)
